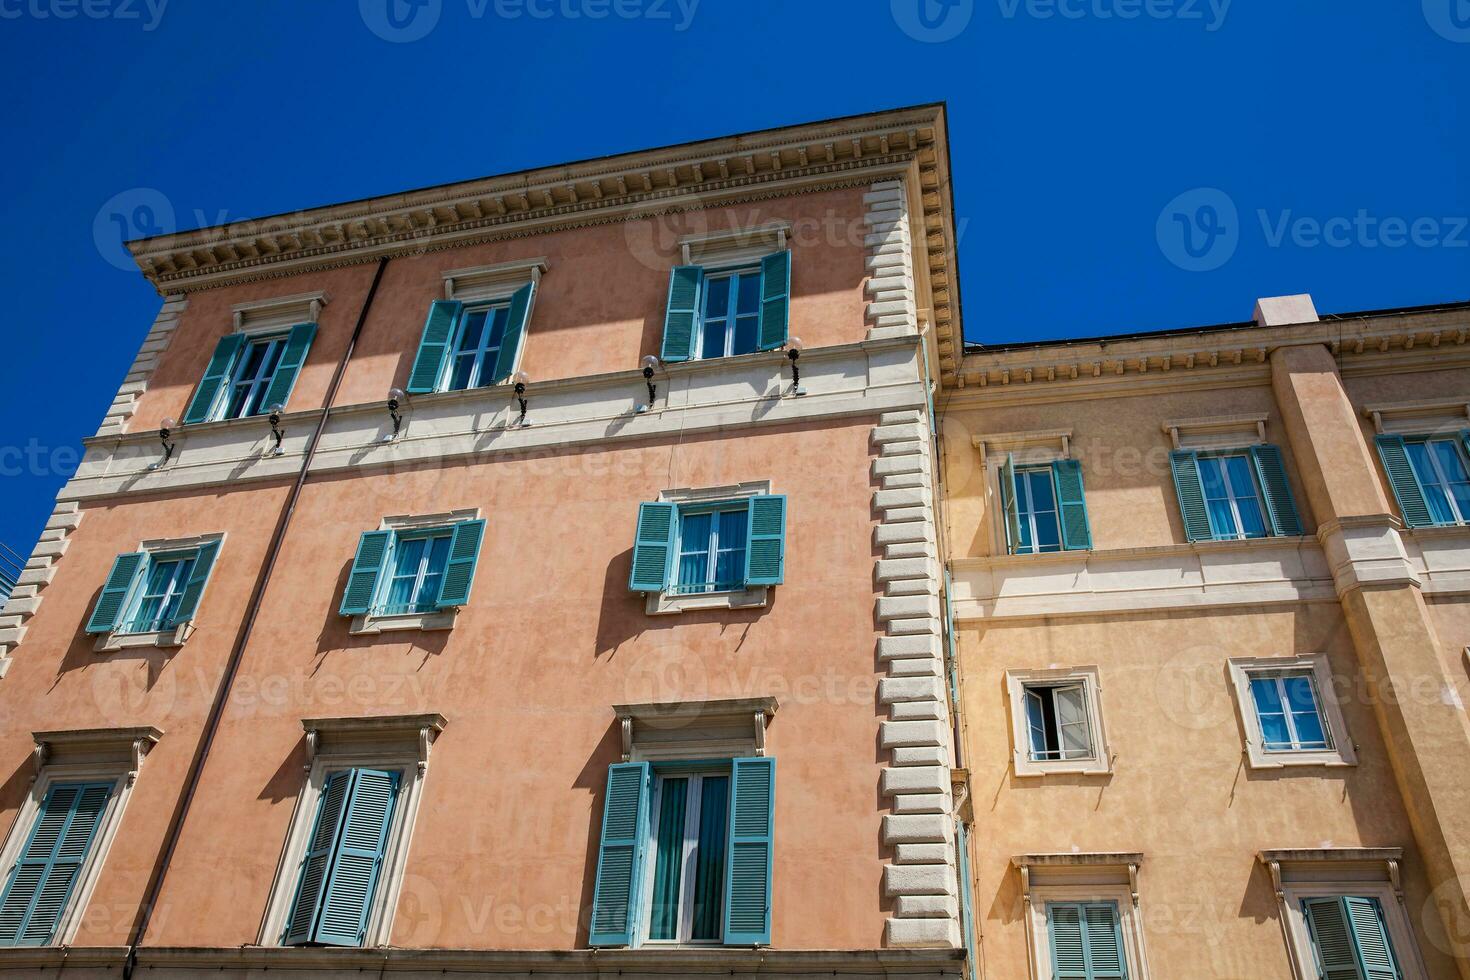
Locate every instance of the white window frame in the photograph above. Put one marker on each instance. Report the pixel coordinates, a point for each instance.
(1129, 921)
(726, 270)
(262, 383)
(1341, 751)
(486, 306)
(1223, 456)
(177, 636)
(372, 624)
(1030, 515)
(404, 749)
(666, 602)
(1017, 681)
(1400, 931)
(1026, 450)
(692, 803)
(85, 764)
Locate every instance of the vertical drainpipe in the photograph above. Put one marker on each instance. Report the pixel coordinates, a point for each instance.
(237, 652)
(961, 835)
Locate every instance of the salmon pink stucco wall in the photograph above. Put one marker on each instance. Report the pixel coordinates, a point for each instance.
(504, 850)
(57, 681)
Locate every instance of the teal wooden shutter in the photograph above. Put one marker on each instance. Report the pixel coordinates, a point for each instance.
(198, 579)
(1009, 505)
(1276, 489)
(1465, 440)
(681, 315)
(293, 355)
(357, 858)
(1086, 941)
(653, 547)
(1375, 951)
(620, 855)
(1072, 504)
(748, 855)
(1185, 464)
(44, 876)
(1404, 481)
(765, 546)
(111, 604)
(362, 581)
(312, 881)
(215, 376)
(433, 345)
(1332, 939)
(459, 572)
(515, 329)
(775, 300)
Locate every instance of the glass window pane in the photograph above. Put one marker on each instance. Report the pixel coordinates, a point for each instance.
(713, 341)
(1241, 481)
(1076, 739)
(1449, 461)
(462, 371)
(474, 325)
(177, 584)
(746, 329)
(498, 319)
(694, 543)
(1267, 698)
(1252, 524)
(1222, 519)
(1048, 535)
(1299, 693)
(1036, 725)
(1212, 479)
(256, 405)
(1041, 495)
(716, 296)
(730, 562)
(1273, 730)
(1309, 730)
(709, 870)
(663, 922)
(748, 299)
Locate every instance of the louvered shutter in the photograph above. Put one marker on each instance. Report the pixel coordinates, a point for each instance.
(1185, 464)
(1009, 505)
(357, 858)
(775, 300)
(459, 572)
(765, 549)
(293, 355)
(1280, 504)
(1332, 939)
(362, 581)
(1106, 959)
(1086, 941)
(112, 602)
(681, 315)
(653, 547)
(45, 875)
(1375, 951)
(433, 346)
(515, 329)
(198, 579)
(619, 855)
(1068, 952)
(310, 886)
(215, 375)
(1403, 481)
(748, 856)
(1072, 505)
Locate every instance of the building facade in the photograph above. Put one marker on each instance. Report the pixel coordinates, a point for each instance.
(465, 581)
(1210, 591)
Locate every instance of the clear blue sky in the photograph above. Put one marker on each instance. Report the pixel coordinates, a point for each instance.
(1075, 126)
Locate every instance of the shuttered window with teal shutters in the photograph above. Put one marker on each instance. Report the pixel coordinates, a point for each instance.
(749, 861)
(1232, 495)
(250, 374)
(45, 875)
(1044, 507)
(216, 374)
(775, 299)
(150, 592)
(653, 547)
(339, 873)
(1350, 939)
(112, 602)
(1430, 477)
(1086, 940)
(428, 363)
(413, 571)
(681, 312)
(615, 899)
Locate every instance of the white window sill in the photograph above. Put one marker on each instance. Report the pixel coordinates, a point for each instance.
(170, 638)
(1287, 760)
(371, 625)
(665, 604)
(1078, 767)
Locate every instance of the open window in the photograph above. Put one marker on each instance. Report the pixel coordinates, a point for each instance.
(1056, 722)
(1429, 476)
(152, 596)
(413, 572)
(735, 300)
(251, 373)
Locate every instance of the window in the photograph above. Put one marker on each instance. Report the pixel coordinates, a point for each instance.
(1290, 713)
(250, 373)
(1086, 941)
(1056, 722)
(712, 550)
(471, 345)
(686, 852)
(1350, 939)
(152, 595)
(1045, 507)
(413, 574)
(1232, 495)
(721, 312)
(715, 548)
(686, 897)
(50, 862)
(1439, 466)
